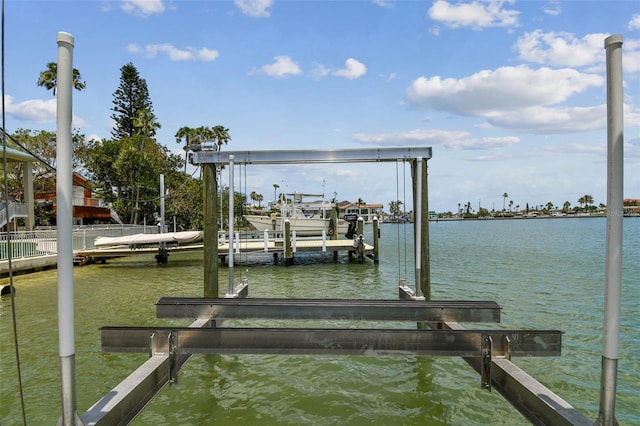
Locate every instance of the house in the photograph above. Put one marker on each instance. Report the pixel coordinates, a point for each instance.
(26, 208)
(366, 211)
(86, 210)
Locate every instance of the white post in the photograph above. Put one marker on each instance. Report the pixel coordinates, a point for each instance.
(417, 219)
(231, 218)
(64, 220)
(162, 222)
(613, 266)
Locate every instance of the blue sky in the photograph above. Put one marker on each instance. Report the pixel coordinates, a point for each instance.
(511, 95)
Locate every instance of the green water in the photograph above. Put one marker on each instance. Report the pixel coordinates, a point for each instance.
(546, 274)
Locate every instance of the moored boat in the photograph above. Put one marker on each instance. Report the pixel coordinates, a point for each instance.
(307, 218)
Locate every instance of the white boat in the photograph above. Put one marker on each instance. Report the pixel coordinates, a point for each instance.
(184, 237)
(307, 218)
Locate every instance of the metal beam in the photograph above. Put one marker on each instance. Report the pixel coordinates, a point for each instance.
(354, 309)
(313, 341)
(124, 402)
(535, 401)
(363, 155)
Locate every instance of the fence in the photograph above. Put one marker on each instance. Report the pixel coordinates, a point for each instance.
(43, 242)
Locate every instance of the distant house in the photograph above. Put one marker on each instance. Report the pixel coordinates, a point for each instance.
(631, 206)
(366, 211)
(86, 210)
(26, 208)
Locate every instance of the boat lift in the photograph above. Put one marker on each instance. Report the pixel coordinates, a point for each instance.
(438, 332)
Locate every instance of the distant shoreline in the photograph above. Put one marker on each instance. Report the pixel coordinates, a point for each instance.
(490, 218)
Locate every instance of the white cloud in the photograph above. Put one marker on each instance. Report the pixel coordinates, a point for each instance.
(383, 3)
(545, 120)
(175, 54)
(456, 140)
(552, 8)
(516, 98)
(475, 14)
(353, 69)
(143, 7)
(634, 23)
(503, 89)
(561, 49)
(37, 111)
(254, 8)
(282, 67)
(320, 71)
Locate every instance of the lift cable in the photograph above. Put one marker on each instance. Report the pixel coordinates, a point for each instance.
(8, 237)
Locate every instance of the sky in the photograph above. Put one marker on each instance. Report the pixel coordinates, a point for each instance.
(510, 95)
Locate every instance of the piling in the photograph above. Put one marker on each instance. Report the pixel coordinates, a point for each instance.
(376, 237)
(615, 213)
(288, 251)
(210, 233)
(334, 221)
(64, 172)
(360, 242)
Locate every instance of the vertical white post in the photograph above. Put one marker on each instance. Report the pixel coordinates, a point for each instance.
(231, 219)
(162, 213)
(417, 220)
(613, 266)
(266, 241)
(64, 220)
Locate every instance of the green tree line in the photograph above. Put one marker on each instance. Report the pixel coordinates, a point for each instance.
(124, 170)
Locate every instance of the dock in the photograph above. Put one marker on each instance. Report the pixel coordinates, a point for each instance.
(248, 246)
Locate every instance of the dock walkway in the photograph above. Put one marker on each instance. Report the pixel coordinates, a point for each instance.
(244, 246)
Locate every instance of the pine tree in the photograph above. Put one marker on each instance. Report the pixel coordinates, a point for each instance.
(129, 99)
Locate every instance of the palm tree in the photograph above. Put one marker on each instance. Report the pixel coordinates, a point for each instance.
(360, 203)
(588, 200)
(504, 199)
(146, 123)
(275, 188)
(566, 206)
(220, 134)
(49, 78)
(581, 201)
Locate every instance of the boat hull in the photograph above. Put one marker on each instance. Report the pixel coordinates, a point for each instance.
(303, 226)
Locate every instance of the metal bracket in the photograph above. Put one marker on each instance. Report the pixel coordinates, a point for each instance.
(487, 342)
(507, 344)
(173, 363)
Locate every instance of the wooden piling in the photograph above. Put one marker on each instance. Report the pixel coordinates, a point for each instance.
(376, 237)
(288, 252)
(360, 234)
(210, 234)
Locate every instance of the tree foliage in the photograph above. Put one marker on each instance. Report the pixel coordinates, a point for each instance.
(42, 145)
(49, 78)
(131, 97)
(127, 174)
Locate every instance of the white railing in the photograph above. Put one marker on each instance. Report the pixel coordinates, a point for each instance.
(44, 242)
(14, 210)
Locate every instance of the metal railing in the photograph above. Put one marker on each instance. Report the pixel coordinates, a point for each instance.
(14, 210)
(43, 242)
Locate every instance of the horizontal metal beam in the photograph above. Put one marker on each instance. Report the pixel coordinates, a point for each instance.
(334, 309)
(124, 402)
(363, 155)
(308, 341)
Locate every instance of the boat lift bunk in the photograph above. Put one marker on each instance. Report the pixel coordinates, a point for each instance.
(438, 332)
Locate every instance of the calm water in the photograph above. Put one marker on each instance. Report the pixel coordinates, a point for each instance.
(546, 274)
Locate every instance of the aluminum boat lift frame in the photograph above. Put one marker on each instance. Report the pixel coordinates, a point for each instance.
(438, 333)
